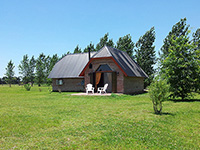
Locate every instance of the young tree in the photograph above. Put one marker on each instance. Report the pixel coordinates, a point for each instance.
(146, 54)
(104, 41)
(77, 49)
(10, 72)
(40, 69)
(126, 44)
(91, 46)
(158, 92)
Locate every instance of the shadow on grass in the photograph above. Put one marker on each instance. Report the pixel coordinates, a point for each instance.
(186, 100)
(164, 114)
(138, 93)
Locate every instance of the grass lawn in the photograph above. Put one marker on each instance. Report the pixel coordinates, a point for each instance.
(40, 120)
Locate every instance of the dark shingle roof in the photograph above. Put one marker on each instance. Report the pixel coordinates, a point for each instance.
(130, 67)
(70, 66)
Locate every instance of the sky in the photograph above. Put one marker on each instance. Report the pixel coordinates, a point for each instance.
(57, 26)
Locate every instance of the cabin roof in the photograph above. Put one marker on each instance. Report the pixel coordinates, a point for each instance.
(74, 65)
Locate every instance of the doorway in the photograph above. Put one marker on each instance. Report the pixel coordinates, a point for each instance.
(104, 75)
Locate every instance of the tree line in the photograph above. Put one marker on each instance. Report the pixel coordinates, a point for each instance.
(178, 61)
(37, 70)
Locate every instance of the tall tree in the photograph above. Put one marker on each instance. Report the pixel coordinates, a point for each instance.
(10, 72)
(50, 62)
(178, 61)
(146, 55)
(126, 44)
(32, 63)
(178, 67)
(91, 46)
(77, 49)
(24, 69)
(179, 29)
(196, 42)
(104, 41)
(40, 69)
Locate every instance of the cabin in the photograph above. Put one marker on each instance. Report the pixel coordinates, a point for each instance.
(109, 65)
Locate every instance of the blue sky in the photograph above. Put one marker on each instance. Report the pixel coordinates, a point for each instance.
(35, 26)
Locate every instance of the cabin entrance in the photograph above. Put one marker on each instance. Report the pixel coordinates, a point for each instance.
(104, 74)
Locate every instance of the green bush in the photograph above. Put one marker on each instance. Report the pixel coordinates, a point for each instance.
(27, 87)
(158, 92)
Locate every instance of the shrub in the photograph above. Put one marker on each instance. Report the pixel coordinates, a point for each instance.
(158, 92)
(27, 87)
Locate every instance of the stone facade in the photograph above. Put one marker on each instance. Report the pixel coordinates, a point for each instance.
(133, 85)
(69, 85)
(97, 62)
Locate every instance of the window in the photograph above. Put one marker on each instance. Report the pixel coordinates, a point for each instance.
(59, 82)
(104, 67)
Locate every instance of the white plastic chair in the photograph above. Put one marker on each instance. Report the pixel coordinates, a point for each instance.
(102, 89)
(89, 88)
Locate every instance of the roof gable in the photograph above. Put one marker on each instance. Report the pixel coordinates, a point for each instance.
(126, 64)
(130, 67)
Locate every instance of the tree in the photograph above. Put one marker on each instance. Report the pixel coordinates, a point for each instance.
(104, 41)
(32, 63)
(9, 72)
(24, 69)
(77, 49)
(179, 67)
(91, 46)
(145, 54)
(196, 42)
(179, 29)
(179, 61)
(158, 92)
(50, 62)
(126, 44)
(40, 69)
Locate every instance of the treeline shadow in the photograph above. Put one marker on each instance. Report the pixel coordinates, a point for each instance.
(186, 100)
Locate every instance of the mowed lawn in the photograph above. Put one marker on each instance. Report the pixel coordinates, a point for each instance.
(38, 119)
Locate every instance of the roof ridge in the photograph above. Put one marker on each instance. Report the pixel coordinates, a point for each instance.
(80, 53)
(108, 50)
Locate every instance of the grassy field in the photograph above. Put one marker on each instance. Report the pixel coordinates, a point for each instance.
(38, 119)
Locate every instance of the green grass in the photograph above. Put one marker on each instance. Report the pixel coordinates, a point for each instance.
(40, 120)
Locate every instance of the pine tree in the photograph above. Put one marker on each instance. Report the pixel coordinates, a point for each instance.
(145, 54)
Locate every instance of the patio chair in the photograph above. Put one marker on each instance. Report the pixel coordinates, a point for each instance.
(102, 89)
(89, 88)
